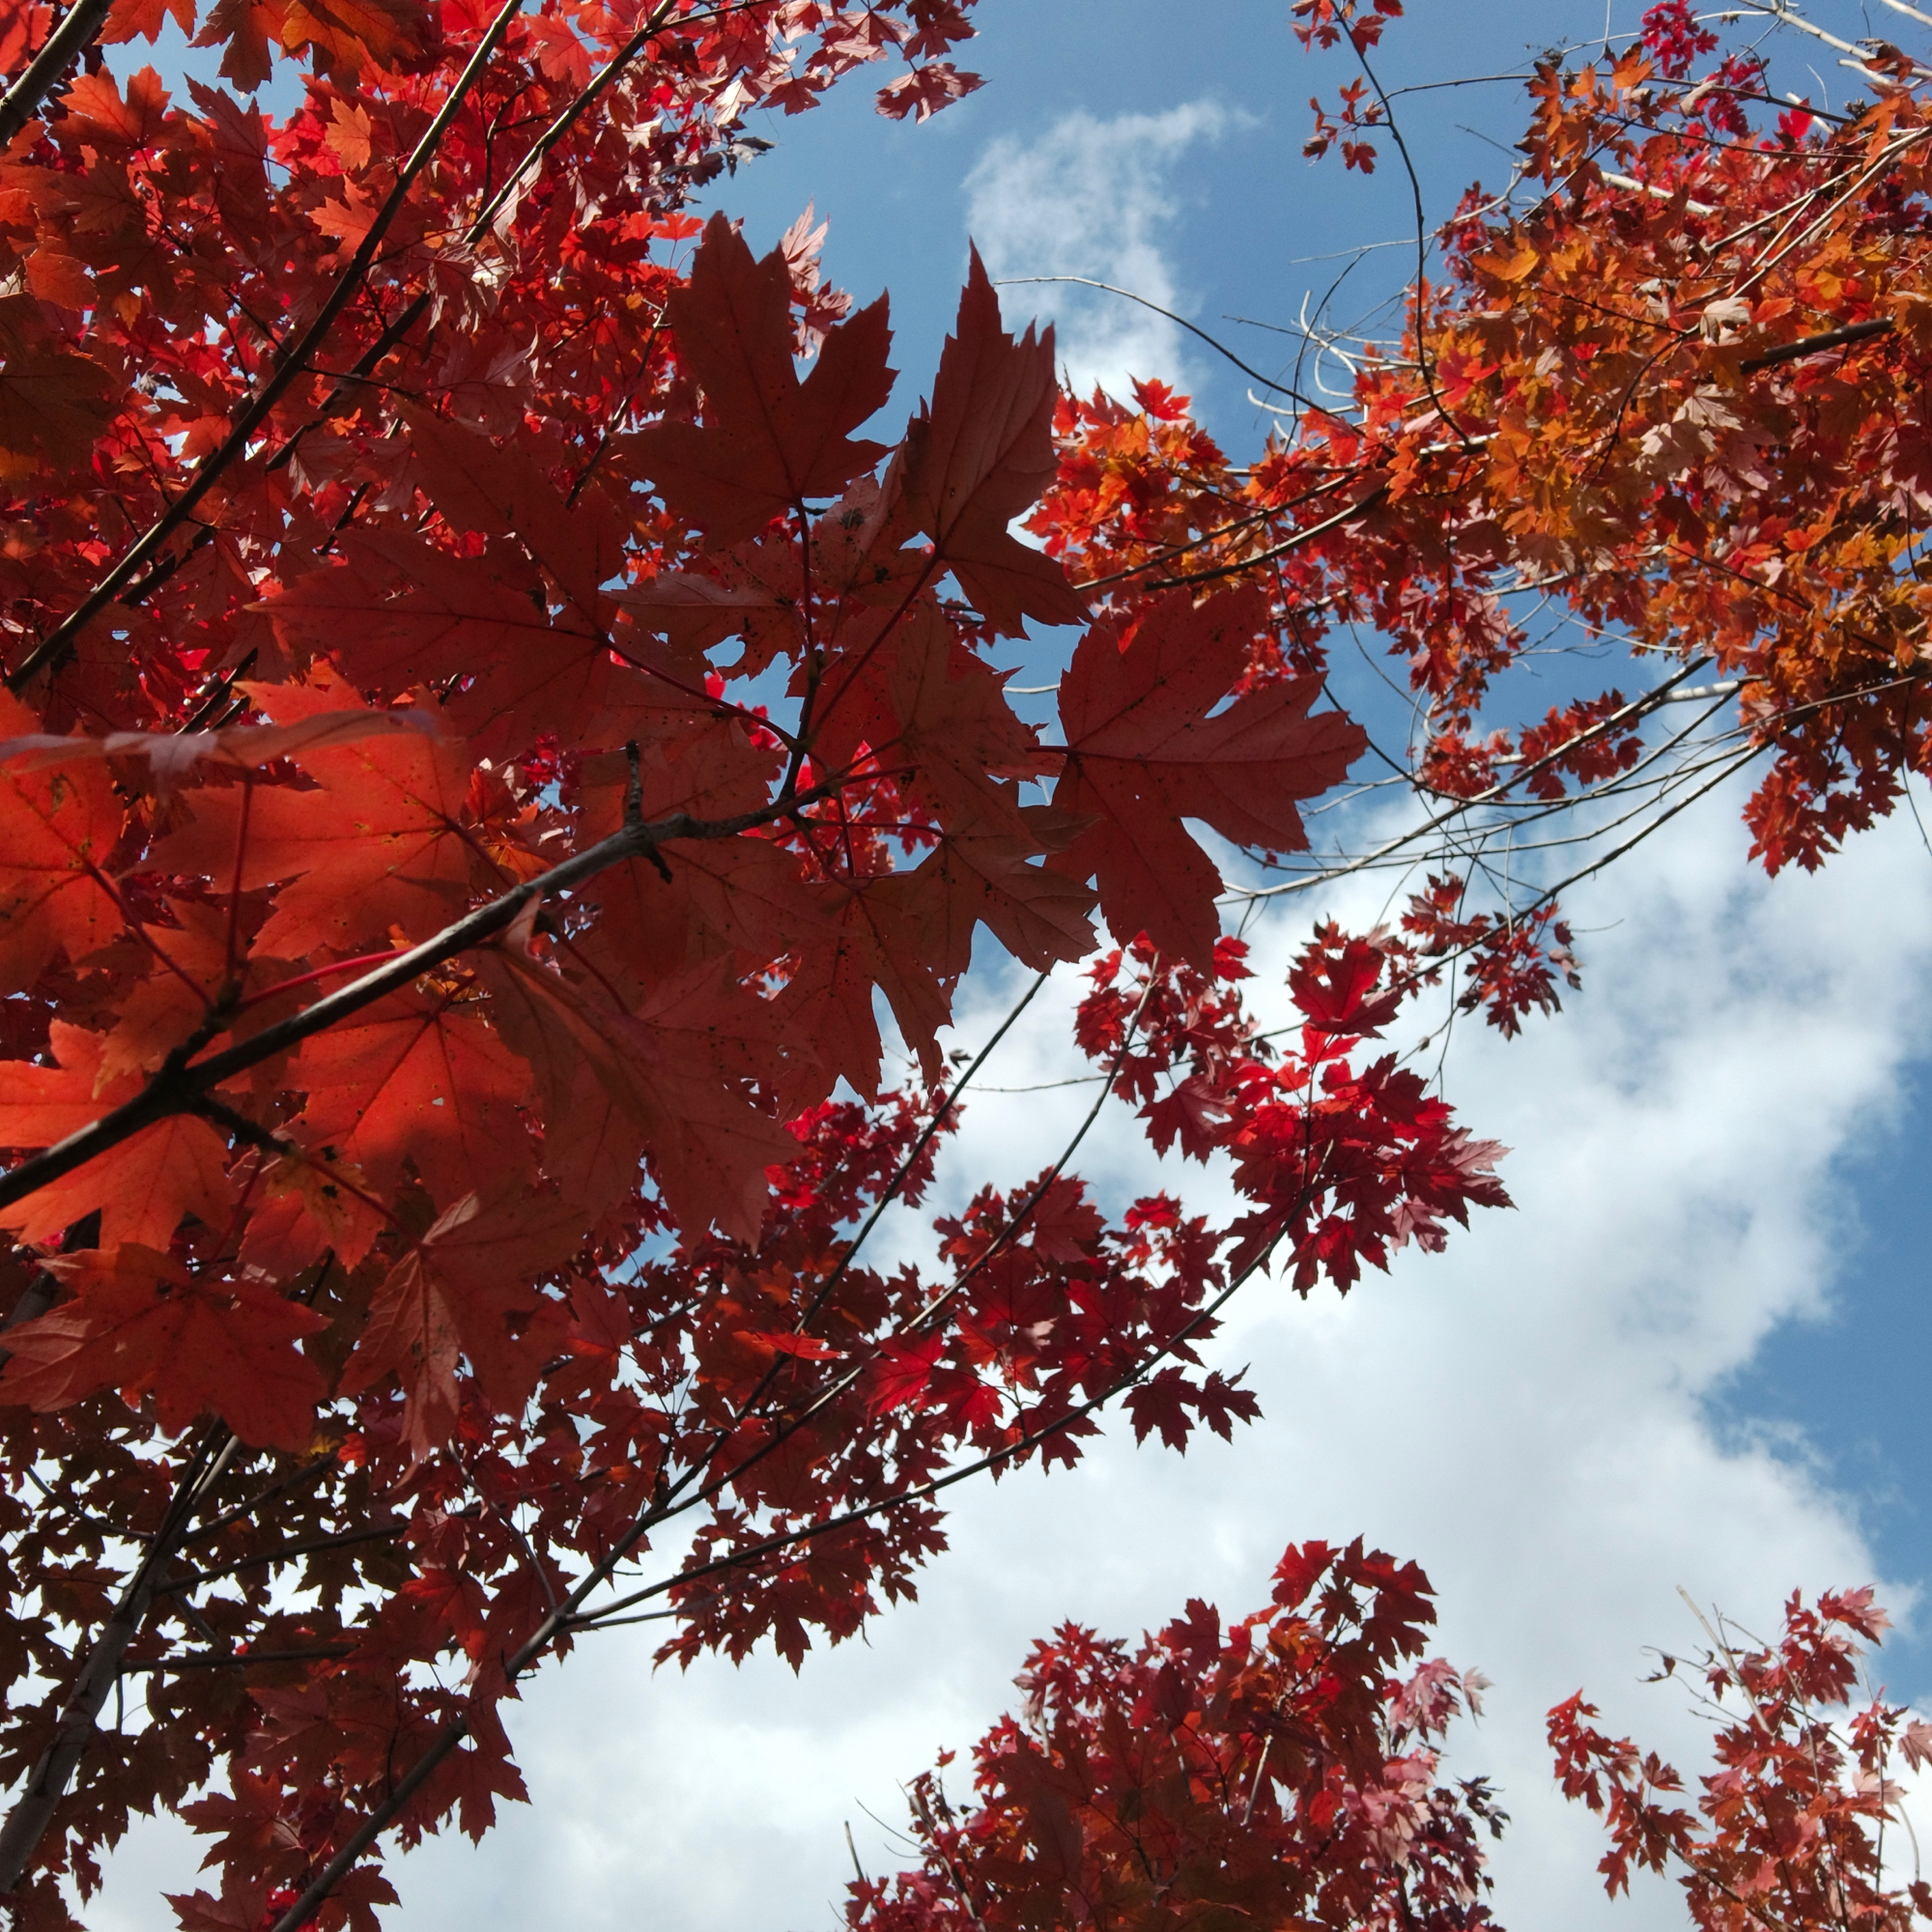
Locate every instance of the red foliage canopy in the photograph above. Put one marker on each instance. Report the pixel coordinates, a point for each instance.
(486, 738)
(1283, 1771)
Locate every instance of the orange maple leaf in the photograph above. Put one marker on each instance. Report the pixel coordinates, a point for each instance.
(417, 1077)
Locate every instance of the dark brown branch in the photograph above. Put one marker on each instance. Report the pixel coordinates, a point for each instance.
(182, 1087)
(1815, 345)
(64, 44)
(1422, 369)
(1219, 348)
(238, 1661)
(300, 1479)
(1360, 507)
(286, 1553)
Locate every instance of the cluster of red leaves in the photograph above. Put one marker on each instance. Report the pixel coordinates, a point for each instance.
(1282, 1772)
(1324, 24)
(1357, 115)
(1342, 1163)
(1591, 742)
(1507, 964)
(1674, 38)
(1288, 1771)
(1792, 1822)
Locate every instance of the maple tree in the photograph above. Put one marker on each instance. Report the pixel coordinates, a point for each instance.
(1284, 1771)
(1288, 1771)
(484, 734)
(1793, 1817)
(1662, 392)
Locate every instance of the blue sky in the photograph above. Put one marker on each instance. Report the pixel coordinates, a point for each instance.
(1693, 1356)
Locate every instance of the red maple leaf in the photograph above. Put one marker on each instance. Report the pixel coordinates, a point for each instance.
(1146, 748)
(979, 455)
(769, 442)
(142, 1187)
(142, 1324)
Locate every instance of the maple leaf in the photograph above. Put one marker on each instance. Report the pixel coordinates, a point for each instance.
(142, 1324)
(338, 35)
(927, 89)
(305, 1207)
(239, 1908)
(769, 441)
(673, 1069)
(487, 1255)
(1332, 981)
(401, 612)
(876, 936)
(417, 1077)
(52, 402)
(954, 722)
(499, 490)
(693, 613)
(1161, 1403)
(127, 17)
(113, 120)
(1193, 1113)
(743, 898)
(142, 1187)
(977, 876)
(61, 827)
(473, 1779)
(1146, 747)
(979, 455)
(161, 1011)
(411, 1332)
(903, 1373)
(382, 843)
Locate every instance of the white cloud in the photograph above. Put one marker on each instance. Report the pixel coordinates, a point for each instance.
(1092, 197)
(1522, 1414)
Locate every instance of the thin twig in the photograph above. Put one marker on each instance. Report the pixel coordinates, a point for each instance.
(1219, 348)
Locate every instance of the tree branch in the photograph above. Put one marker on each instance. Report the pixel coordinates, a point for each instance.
(1813, 345)
(64, 44)
(285, 1553)
(180, 1086)
(75, 1729)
